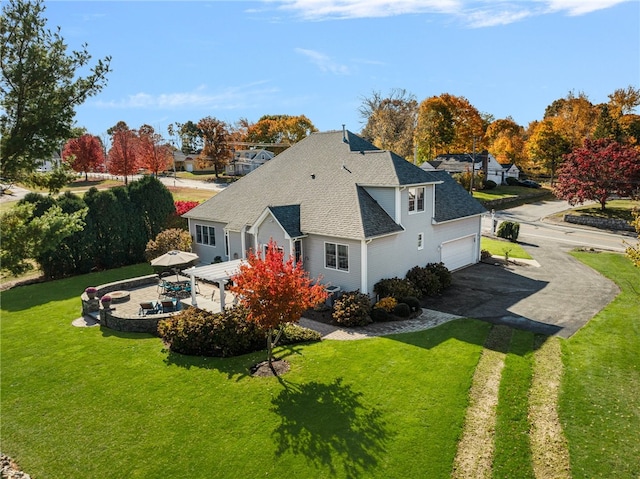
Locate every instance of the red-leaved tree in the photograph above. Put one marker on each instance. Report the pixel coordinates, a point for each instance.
(597, 170)
(275, 292)
(153, 152)
(83, 154)
(122, 155)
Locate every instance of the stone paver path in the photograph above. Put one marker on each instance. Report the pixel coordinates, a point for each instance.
(428, 319)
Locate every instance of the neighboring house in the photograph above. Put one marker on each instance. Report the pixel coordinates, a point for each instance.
(484, 161)
(245, 161)
(351, 213)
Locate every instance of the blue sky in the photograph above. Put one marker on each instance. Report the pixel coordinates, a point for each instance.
(178, 61)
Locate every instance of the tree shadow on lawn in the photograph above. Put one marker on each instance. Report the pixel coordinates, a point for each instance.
(331, 425)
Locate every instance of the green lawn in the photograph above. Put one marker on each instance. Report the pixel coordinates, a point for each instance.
(600, 401)
(505, 192)
(92, 403)
(498, 247)
(95, 403)
(616, 209)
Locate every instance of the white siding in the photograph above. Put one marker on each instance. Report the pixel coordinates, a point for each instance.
(313, 249)
(385, 198)
(208, 253)
(457, 229)
(271, 229)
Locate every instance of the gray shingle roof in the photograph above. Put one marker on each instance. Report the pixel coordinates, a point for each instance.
(289, 218)
(453, 201)
(323, 175)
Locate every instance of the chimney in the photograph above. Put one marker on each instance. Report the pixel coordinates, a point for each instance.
(344, 134)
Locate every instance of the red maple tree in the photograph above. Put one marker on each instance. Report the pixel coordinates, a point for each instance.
(152, 152)
(275, 292)
(597, 170)
(122, 155)
(83, 154)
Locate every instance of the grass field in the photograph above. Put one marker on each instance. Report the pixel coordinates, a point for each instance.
(95, 403)
(498, 247)
(86, 402)
(600, 404)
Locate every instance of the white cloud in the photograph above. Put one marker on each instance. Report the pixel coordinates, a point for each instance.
(324, 62)
(475, 13)
(228, 98)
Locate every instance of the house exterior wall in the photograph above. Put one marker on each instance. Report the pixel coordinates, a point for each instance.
(458, 229)
(314, 262)
(207, 253)
(385, 198)
(270, 229)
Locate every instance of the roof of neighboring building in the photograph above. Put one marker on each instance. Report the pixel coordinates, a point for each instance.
(325, 176)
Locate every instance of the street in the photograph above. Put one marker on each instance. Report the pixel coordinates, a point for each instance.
(536, 224)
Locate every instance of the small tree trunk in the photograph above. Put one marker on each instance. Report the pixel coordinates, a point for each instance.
(270, 346)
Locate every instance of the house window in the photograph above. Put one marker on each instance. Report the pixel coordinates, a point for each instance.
(206, 235)
(336, 256)
(420, 240)
(226, 244)
(416, 199)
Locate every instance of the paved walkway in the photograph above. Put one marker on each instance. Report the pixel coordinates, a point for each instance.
(428, 319)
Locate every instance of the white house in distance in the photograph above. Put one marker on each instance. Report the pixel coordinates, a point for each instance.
(484, 161)
(245, 161)
(351, 213)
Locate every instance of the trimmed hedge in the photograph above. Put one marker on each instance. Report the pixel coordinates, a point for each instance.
(200, 333)
(396, 288)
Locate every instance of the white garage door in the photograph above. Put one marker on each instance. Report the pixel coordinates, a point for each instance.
(458, 253)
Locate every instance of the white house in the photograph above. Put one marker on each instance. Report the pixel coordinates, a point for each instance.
(484, 161)
(351, 213)
(245, 161)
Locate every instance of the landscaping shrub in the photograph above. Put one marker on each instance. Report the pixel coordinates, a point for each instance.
(352, 309)
(402, 310)
(387, 304)
(201, 333)
(294, 333)
(485, 255)
(396, 288)
(425, 280)
(509, 230)
(443, 274)
(489, 185)
(413, 302)
(168, 240)
(380, 315)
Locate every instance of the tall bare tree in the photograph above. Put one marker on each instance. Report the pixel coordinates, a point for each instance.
(390, 121)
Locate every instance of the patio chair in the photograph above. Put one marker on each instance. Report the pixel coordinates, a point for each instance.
(148, 307)
(167, 306)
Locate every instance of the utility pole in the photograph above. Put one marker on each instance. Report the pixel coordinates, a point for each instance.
(473, 166)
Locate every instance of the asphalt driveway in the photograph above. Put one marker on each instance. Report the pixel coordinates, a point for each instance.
(556, 298)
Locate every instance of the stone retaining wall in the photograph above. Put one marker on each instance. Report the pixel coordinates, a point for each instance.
(601, 223)
(132, 324)
(112, 319)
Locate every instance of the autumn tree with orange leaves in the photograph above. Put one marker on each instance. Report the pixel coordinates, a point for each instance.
(275, 292)
(83, 154)
(153, 152)
(122, 158)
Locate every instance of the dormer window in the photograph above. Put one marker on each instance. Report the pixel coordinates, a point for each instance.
(416, 199)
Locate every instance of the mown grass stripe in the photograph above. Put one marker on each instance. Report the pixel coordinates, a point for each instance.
(513, 452)
(475, 449)
(550, 452)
